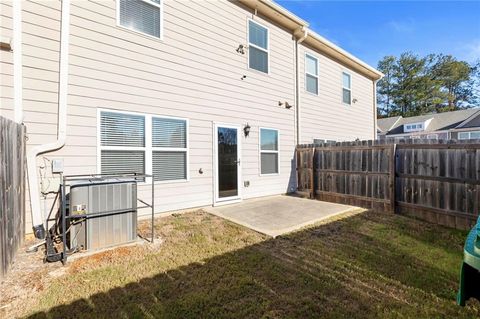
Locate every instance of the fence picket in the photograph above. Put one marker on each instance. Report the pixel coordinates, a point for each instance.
(437, 180)
(12, 191)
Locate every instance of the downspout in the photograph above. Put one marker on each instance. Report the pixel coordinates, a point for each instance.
(37, 218)
(17, 61)
(375, 109)
(299, 40)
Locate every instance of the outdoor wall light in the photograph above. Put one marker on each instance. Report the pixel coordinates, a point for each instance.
(246, 130)
(241, 49)
(288, 106)
(354, 100)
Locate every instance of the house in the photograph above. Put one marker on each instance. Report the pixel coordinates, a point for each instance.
(209, 96)
(462, 124)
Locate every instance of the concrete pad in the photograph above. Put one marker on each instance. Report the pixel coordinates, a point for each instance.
(277, 215)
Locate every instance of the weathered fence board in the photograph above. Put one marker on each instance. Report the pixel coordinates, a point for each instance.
(432, 179)
(12, 191)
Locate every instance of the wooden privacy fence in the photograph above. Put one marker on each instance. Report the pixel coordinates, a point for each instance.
(12, 191)
(435, 180)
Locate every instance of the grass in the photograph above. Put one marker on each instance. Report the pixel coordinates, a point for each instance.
(364, 266)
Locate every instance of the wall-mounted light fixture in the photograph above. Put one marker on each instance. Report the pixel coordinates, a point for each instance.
(354, 100)
(243, 77)
(288, 106)
(241, 49)
(280, 103)
(5, 44)
(246, 130)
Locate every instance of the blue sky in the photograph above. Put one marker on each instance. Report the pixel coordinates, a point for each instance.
(373, 29)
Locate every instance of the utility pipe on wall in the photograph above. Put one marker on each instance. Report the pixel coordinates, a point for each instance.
(301, 34)
(375, 109)
(37, 219)
(17, 61)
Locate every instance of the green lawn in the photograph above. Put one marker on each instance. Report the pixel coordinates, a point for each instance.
(367, 265)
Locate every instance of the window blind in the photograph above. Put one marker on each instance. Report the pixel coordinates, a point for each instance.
(169, 133)
(141, 15)
(118, 129)
(169, 165)
(269, 163)
(121, 162)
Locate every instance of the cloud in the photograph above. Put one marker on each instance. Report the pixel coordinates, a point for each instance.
(406, 26)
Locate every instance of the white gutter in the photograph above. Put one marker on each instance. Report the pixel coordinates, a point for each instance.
(346, 54)
(375, 111)
(300, 38)
(37, 218)
(17, 61)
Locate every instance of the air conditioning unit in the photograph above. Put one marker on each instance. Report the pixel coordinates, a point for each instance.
(115, 196)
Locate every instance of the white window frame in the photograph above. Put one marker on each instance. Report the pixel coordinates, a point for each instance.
(350, 89)
(414, 127)
(311, 74)
(159, 6)
(148, 148)
(469, 135)
(257, 47)
(260, 151)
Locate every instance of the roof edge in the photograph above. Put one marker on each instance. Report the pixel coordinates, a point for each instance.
(344, 56)
(299, 27)
(468, 119)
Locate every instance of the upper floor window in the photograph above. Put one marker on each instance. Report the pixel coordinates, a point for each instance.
(257, 47)
(469, 135)
(144, 16)
(347, 88)
(311, 74)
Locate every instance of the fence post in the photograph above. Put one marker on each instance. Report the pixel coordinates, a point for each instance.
(392, 185)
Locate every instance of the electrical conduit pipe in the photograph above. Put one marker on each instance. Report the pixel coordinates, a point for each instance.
(38, 220)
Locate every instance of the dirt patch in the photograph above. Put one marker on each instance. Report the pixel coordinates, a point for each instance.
(30, 275)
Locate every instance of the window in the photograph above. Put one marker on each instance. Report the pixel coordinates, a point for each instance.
(169, 142)
(414, 127)
(126, 146)
(122, 142)
(432, 136)
(269, 156)
(311, 74)
(469, 135)
(347, 88)
(257, 47)
(144, 16)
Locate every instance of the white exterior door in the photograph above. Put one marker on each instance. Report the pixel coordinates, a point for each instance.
(227, 163)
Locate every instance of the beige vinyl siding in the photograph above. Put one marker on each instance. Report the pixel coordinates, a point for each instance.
(194, 73)
(40, 37)
(325, 116)
(6, 62)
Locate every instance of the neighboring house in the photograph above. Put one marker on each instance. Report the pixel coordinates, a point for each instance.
(462, 124)
(172, 87)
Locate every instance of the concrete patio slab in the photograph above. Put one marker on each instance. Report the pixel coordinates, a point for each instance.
(277, 215)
